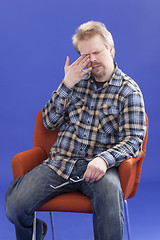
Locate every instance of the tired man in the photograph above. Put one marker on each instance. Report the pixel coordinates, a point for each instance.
(100, 114)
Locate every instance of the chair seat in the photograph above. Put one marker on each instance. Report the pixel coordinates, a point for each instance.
(68, 202)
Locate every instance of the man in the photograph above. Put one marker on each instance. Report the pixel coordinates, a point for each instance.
(100, 114)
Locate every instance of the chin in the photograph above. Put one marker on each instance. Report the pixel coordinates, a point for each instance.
(99, 76)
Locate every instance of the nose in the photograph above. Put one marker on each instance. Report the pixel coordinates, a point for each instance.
(92, 58)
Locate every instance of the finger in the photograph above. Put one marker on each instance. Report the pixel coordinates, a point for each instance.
(80, 59)
(91, 177)
(84, 62)
(67, 63)
(94, 177)
(87, 175)
(99, 176)
(85, 71)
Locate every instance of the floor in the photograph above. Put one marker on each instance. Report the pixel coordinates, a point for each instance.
(144, 211)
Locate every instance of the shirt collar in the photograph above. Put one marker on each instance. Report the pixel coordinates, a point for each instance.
(117, 77)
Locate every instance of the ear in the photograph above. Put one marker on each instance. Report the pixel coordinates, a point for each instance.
(111, 51)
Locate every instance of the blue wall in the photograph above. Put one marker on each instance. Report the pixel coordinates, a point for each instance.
(35, 38)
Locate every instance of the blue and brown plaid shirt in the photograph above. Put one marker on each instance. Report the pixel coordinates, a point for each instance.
(108, 122)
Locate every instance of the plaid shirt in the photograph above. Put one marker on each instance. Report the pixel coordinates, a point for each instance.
(108, 122)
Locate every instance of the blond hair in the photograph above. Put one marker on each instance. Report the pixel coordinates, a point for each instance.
(91, 28)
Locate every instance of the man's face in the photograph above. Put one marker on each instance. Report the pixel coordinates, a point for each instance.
(101, 59)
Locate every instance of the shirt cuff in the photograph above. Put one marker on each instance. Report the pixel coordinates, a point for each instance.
(64, 91)
(109, 159)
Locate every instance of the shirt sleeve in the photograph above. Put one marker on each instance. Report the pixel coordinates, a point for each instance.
(132, 129)
(55, 109)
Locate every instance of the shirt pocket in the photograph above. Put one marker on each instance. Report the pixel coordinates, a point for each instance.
(75, 110)
(108, 119)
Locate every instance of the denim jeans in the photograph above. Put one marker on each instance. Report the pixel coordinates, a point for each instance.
(27, 193)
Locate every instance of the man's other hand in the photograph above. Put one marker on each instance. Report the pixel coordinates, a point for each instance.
(95, 170)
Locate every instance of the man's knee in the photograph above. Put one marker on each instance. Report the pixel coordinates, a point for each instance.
(11, 210)
(14, 205)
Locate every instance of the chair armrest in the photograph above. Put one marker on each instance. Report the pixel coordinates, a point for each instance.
(25, 161)
(129, 173)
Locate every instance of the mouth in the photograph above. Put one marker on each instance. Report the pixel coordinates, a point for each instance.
(96, 67)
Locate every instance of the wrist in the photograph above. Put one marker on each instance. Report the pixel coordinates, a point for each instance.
(68, 83)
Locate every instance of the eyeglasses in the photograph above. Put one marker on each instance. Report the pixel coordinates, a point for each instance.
(75, 179)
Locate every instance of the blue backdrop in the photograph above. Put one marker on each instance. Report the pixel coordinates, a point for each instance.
(35, 38)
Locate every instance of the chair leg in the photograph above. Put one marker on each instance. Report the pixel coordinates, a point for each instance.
(34, 227)
(127, 219)
(52, 227)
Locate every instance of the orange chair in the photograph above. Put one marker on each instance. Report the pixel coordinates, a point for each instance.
(129, 172)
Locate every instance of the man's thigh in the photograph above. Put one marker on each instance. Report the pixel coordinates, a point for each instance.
(106, 188)
(33, 189)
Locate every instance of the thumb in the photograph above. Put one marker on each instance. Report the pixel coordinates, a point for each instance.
(67, 63)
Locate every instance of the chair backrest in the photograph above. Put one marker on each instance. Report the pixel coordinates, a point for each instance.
(139, 163)
(130, 170)
(42, 137)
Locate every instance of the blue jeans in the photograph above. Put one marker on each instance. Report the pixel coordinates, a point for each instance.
(27, 193)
